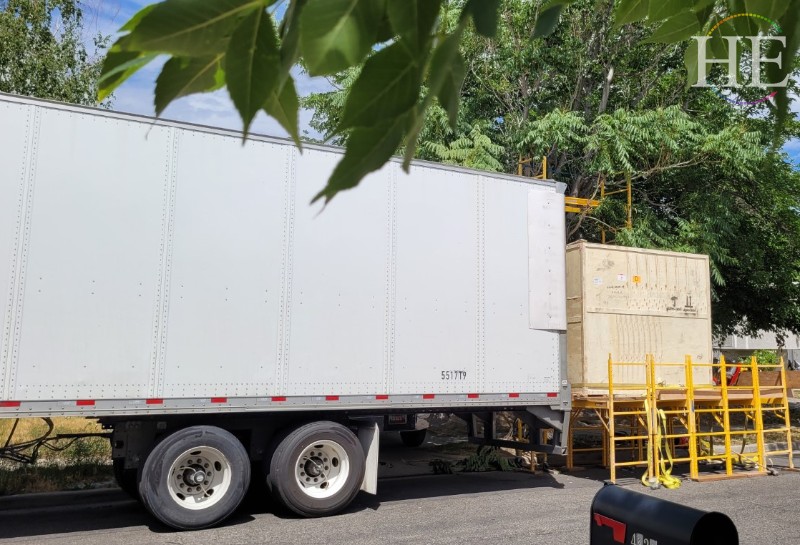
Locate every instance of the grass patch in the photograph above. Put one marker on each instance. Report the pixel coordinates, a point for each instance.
(86, 463)
(39, 478)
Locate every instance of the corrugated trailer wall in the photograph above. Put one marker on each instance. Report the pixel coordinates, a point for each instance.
(146, 259)
(629, 302)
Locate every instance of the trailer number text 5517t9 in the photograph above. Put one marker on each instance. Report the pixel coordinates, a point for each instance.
(454, 375)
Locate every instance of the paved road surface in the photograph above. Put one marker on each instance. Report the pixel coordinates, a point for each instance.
(463, 509)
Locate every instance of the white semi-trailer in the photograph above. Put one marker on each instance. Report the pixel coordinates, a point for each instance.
(178, 286)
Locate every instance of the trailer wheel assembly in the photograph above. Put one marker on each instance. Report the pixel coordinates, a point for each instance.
(413, 438)
(317, 469)
(195, 477)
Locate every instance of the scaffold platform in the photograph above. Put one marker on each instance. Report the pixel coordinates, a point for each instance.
(651, 424)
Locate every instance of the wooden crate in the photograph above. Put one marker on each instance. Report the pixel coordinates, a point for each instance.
(629, 302)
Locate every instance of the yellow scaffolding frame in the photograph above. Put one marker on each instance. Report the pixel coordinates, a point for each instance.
(647, 418)
(571, 204)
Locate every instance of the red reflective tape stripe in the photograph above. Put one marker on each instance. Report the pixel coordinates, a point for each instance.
(331, 398)
(381, 397)
(219, 400)
(617, 528)
(278, 398)
(473, 396)
(513, 395)
(552, 394)
(155, 401)
(84, 402)
(9, 404)
(428, 396)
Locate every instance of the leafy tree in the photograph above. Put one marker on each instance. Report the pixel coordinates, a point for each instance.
(43, 54)
(767, 358)
(474, 150)
(406, 53)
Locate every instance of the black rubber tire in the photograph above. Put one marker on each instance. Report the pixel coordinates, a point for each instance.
(153, 476)
(413, 438)
(127, 479)
(281, 478)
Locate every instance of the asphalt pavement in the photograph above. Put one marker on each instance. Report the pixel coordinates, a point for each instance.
(464, 509)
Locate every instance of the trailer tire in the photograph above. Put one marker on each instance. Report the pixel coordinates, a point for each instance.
(195, 477)
(316, 469)
(413, 438)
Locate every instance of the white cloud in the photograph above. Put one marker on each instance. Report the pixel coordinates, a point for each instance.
(306, 84)
(218, 102)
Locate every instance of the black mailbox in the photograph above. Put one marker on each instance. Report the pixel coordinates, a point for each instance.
(620, 516)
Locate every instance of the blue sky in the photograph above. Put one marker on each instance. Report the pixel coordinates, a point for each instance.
(215, 109)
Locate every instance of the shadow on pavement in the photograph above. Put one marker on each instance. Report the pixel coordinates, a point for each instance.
(66, 519)
(58, 519)
(120, 513)
(437, 486)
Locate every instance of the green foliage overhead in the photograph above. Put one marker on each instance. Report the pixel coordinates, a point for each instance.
(43, 54)
(473, 150)
(405, 53)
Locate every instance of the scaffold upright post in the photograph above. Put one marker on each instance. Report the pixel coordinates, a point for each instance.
(787, 420)
(726, 415)
(612, 446)
(759, 417)
(691, 419)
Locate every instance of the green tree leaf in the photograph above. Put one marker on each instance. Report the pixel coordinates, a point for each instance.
(446, 75)
(337, 34)
(629, 11)
(664, 9)
(387, 87)
(675, 29)
(772, 9)
(703, 14)
(413, 19)
(368, 149)
(183, 76)
(690, 60)
(191, 27)
(289, 32)
(284, 107)
(134, 21)
(252, 64)
(120, 62)
(446, 65)
(745, 26)
(119, 66)
(485, 14)
(790, 23)
(547, 21)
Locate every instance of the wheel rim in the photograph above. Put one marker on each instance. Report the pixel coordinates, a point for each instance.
(199, 478)
(322, 469)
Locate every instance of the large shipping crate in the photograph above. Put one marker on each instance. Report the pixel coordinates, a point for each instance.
(630, 302)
